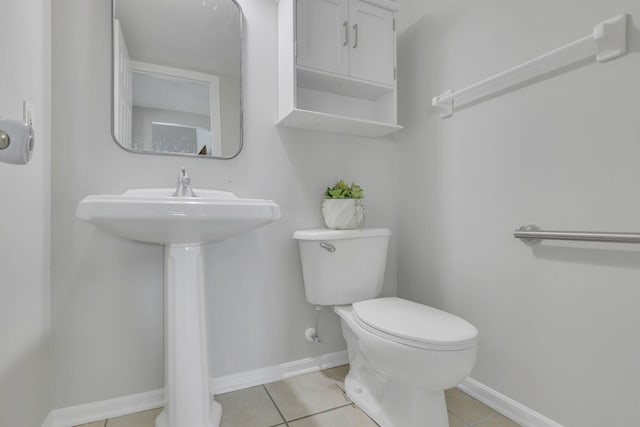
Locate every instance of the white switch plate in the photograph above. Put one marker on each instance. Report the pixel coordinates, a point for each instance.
(28, 112)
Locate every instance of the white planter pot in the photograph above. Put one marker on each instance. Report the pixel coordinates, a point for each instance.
(343, 214)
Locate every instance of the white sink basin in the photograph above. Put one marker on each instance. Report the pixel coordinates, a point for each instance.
(152, 215)
(182, 224)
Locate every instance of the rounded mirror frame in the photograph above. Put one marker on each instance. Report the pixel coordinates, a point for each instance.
(112, 111)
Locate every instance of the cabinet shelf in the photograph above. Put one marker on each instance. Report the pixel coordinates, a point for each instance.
(333, 123)
(340, 85)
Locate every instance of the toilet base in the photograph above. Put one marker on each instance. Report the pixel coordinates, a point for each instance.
(398, 385)
(392, 406)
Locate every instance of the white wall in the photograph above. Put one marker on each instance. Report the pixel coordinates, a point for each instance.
(558, 323)
(24, 219)
(107, 292)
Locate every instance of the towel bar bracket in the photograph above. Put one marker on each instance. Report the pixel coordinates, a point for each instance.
(610, 37)
(531, 241)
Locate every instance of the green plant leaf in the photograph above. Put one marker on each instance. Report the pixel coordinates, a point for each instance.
(342, 191)
(356, 191)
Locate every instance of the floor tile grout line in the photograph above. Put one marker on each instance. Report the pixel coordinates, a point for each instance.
(475, 423)
(346, 397)
(449, 414)
(342, 390)
(275, 404)
(367, 415)
(323, 412)
(484, 420)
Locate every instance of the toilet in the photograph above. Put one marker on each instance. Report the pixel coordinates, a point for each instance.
(403, 355)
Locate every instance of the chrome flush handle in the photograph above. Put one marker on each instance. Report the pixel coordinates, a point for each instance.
(328, 246)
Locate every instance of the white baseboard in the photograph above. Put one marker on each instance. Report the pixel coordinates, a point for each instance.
(270, 374)
(505, 405)
(97, 411)
(102, 410)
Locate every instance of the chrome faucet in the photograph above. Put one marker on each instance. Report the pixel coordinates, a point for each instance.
(184, 185)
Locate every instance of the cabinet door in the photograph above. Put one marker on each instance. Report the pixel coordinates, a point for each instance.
(322, 32)
(372, 55)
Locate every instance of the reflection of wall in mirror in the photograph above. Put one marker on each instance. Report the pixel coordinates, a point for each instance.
(229, 117)
(172, 138)
(176, 138)
(143, 118)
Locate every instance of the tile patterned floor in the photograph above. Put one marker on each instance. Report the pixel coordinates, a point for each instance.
(313, 400)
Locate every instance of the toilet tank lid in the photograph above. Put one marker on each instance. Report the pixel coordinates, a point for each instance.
(426, 326)
(328, 234)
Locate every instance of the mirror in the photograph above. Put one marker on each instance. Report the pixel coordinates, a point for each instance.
(177, 85)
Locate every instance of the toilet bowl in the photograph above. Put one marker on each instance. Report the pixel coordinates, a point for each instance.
(402, 354)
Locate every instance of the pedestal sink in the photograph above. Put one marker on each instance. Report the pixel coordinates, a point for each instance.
(182, 225)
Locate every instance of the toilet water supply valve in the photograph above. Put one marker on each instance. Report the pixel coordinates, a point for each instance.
(312, 334)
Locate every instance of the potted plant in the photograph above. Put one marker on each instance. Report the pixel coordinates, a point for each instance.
(343, 206)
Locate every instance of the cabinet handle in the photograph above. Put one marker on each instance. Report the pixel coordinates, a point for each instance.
(355, 30)
(346, 33)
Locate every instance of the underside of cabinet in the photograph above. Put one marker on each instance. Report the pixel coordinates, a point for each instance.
(325, 122)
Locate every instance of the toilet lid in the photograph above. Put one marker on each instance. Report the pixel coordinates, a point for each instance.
(415, 324)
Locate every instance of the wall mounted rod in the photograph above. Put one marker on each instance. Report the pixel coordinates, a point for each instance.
(531, 234)
(607, 41)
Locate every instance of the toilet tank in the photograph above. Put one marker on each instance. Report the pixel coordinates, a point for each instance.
(343, 266)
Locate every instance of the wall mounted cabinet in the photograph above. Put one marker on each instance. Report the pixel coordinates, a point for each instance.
(337, 66)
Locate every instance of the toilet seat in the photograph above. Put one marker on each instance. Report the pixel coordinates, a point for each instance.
(414, 324)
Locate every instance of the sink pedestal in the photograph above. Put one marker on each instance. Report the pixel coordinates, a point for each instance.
(186, 363)
(182, 225)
